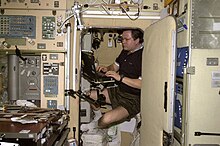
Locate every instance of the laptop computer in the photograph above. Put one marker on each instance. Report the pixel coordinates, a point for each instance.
(89, 70)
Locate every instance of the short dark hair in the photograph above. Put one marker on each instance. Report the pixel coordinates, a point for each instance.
(137, 34)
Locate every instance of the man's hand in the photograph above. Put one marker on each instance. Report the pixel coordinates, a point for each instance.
(113, 74)
(103, 69)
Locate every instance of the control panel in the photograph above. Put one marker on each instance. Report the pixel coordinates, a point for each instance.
(32, 25)
(48, 27)
(29, 76)
(24, 82)
(52, 76)
(33, 4)
(14, 26)
(51, 72)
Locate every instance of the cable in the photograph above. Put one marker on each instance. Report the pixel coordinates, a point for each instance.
(73, 15)
(107, 11)
(104, 2)
(67, 20)
(104, 8)
(126, 12)
(18, 53)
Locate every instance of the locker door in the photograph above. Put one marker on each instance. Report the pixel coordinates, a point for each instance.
(158, 80)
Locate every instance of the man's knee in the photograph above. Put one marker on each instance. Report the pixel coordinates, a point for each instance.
(105, 119)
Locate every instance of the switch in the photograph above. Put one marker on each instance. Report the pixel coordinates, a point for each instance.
(212, 62)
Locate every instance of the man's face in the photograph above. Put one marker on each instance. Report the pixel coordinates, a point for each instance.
(128, 42)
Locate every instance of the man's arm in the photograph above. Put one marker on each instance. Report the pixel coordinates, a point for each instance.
(112, 67)
(135, 83)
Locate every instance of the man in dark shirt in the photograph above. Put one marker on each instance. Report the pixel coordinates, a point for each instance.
(125, 99)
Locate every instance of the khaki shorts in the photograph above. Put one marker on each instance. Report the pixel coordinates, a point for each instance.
(129, 101)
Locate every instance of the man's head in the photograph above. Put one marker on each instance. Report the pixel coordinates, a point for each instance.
(132, 39)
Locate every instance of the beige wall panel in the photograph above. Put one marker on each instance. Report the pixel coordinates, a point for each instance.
(203, 102)
(107, 55)
(141, 23)
(157, 69)
(150, 3)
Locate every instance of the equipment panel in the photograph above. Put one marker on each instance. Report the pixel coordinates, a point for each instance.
(32, 25)
(17, 26)
(33, 4)
(52, 76)
(24, 78)
(48, 27)
(29, 78)
(205, 24)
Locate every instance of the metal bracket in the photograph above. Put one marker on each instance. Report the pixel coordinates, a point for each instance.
(167, 139)
(190, 70)
(98, 103)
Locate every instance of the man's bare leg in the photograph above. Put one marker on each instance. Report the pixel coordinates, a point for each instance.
(114, 116)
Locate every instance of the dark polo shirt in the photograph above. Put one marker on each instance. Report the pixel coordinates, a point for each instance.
(130, 66)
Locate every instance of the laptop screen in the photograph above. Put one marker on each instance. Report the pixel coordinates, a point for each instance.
(88, 66)
(89, 70)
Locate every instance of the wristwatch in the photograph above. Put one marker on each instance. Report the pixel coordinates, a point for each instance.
(121, 77)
